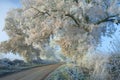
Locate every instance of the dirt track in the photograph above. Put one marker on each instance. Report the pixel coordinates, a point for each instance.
(39, 73)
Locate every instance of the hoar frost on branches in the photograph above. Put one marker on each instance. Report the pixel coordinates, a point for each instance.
(74, 25)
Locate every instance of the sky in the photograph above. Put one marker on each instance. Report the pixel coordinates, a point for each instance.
(5, 6)
(106, 46)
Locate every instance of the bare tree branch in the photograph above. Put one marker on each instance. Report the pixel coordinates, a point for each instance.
(72, 17)
(75, 1)
(40, 12)
(78, 23)
(109, 18)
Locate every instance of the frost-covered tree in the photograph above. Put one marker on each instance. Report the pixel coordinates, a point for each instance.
(74, 25)
(50, 28)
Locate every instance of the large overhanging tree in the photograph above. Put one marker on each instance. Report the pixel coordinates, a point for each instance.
(73, 25)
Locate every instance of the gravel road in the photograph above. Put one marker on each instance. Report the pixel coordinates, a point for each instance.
(39, 73)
